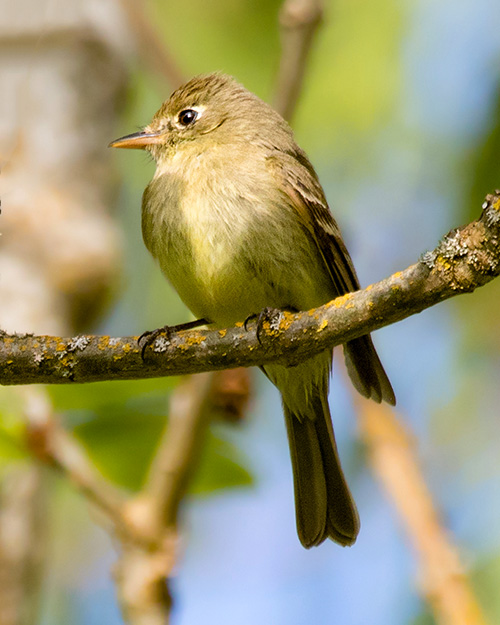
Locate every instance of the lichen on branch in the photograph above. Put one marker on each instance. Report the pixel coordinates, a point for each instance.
(465, 259)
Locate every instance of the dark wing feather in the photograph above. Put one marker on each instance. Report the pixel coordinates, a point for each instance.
(302, 190)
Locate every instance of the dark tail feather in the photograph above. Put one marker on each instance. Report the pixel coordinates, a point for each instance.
(366, 371)
(323, 504)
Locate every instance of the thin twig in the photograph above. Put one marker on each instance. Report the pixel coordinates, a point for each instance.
(180, 447)
(54, 445)
(23, 540)
(467, 258)
(143, 572)
(230, 393)
(442, 578)
(153, 50)
(299, 21)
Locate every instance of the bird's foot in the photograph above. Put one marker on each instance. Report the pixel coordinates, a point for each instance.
(149, 337)
(269, 315)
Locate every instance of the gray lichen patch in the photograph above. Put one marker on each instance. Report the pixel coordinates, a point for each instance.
(78, 343)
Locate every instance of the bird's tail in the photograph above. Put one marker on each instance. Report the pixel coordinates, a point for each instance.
(366, 371)
(324, 506)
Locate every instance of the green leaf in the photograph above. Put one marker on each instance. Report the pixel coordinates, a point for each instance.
(12, 425)
(221, 466)
(101, 396)
(121, 443)
(11, 447)
(122, 446)
(120, 424)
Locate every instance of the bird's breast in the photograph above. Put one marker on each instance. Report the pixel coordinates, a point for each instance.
(228, 244)
(201, 234)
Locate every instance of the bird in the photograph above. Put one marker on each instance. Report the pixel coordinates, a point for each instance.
(238, 221)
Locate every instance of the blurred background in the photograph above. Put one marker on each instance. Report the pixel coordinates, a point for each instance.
(400, 115)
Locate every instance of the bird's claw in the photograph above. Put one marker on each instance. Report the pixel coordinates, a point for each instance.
(150, 336)
(269, 315)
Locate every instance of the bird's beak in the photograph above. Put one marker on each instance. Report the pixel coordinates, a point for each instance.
(137, 140)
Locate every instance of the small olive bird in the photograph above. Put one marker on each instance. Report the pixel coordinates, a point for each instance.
(238, 221)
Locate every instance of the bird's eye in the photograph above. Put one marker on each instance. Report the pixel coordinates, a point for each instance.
(187, 117)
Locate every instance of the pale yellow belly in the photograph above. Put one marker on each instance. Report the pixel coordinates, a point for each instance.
(219, 287)
(228, 257)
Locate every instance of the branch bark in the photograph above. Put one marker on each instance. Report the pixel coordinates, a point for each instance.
(179, 448)
(151, 46)
(49, 442)
(442, 578)
(143, 572)
(466, 259)
(23, 534)
(299, 21)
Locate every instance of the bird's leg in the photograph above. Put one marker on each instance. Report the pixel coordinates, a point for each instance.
(250, 318)
(148, 338)
(269, 315)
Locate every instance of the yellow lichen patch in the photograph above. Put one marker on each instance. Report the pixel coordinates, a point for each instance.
(322, 325)
(195, 340)
(369, 287)
(60, 346)
(127, 348)
(117, 357)
(340, 301)
(443, 262)
(239, 324)
(222, 333)
(496, 205)
(269, 326)
(266, 327)
(397, 275)
(9, 362)
(286, 320)
(103, 343)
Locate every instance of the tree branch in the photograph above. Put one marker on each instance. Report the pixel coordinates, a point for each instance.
(466, 259)
(50, 442)
(143, 572)
(23, 539)
(442, 578)
(299, 20)
(152, 48)
(180, 447)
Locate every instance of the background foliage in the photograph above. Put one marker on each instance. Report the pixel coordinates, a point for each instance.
(400, 116)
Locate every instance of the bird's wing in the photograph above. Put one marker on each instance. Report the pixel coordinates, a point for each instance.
(299, 184)
(302, 191)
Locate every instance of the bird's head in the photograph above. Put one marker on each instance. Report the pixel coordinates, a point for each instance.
(209, 110)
